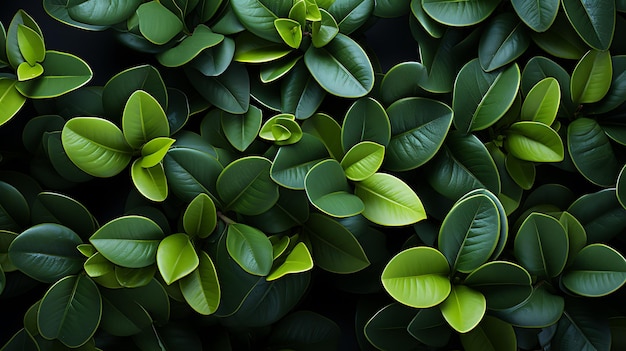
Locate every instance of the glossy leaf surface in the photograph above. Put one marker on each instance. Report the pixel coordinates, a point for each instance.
(594, 22)
(588, 276)
(176, 257)
(591, 78)
(250, 248)
(200, 217)
(464, 308)
(327, 188)
(534, 141)
(464, 13)
(201, 288)
(143, 119)
(592, 152)
(541, 245)
(538, 15)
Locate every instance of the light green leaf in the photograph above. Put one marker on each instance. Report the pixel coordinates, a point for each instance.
(470, 232)
(134, 277)
(481, 98)
(363, 160)
(190, 47)
(592, 152)
(389, 201)
(593, 277)
(541, 245)
(297, 261)
(504, 40)
(455, 13)
(277, 69)
(258, 16)
(200, 217)
(201, 288)
(542, 102)
(129, 241)
(46, 252)
(176, 257)
(11, 100)
(245, 186)
(282, 129)
(591, 78)
(534, 141)
(96, 146)
(70, 311)
(241, 130)
(464, 308)
(417, 277)
(418, 129)
(143, 119)
(326, 129)
(538, 15)
(154, 150)
(333, 246)
(62, 73)
(150, 182)
(26, 72)
(158, 24)
(341, 67)
(290, 31)
(31, 44)
(98, 266)
(594, 21)
(250, 248)
(327, 189)
(252, 49)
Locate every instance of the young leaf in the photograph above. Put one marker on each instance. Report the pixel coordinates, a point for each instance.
(190, 47)
(11, 99)
(534, 141)
(200, 217)
(129, 241)
(154, 151)
(70, 311)
(591, 78)
(297, 261)
(31, 45)
(328, 190)
(252, 49)
(341, 67)
(470, 232)
(201, 288)
(143, 119)
(589, 276)
(250, 248)
(541, 245)
(176, 257)
(290, 31)
(542, 102)
(158, 24)
(150, 182)
(389, 201)
(363, 160)
(96, 146)
(26, 72)
(464, 308)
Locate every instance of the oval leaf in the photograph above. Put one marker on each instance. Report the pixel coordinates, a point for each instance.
(464, 308)
(455, 13)
(503, 40)
(504, 284)
(589, 276)
(176, 257)
(143, 119)
(363, 160)
(591, 78)
(541, 245)
(250, 248)
(327, 189)
(201, 288)
(200, 217)
(297, 261)
(594, 22)
(538, 15)
(534, 141)
(366, 120)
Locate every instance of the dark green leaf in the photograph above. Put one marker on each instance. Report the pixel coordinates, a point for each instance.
(188, 49)
(327, 187)
(403, 80)
(215, 60)
(503, 41)
(258, 16)
(156, 23)
(453, 13)
(250, 248)
(491, 334)
(601, 214)
(292, 162)
(391, 8)
(594, 22)
(52, 207)
(326, 129)
(581, 327)
(241, 130)
(387, 328)
(101, 13)
(429, 327)
(541, 245)
(300, 94)
(561, 40)
(588, 276)
(542, 309)
(121, 316)
(191, 172)
(229, 91)
(245, 186)
(366, 120)
(538, 15)
(305, 331)
(352, 14)
(504, 284)
(14, 210)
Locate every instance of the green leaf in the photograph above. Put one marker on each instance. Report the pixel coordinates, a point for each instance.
(153, 152)
(504, 40)
(418, 129)
(98, 266)
(150, 182)
(31, 45)
(491, 334)
(389, 201)
(538, 15)
(591, 277)
(200, 217)
(298, 12)
(201, 288)
(594, 22)
(481, 98)
(14, 209)
(591, 78)
(121, 86)
(327, 189)
(540, 310)
(465, 13)
(504, 284)
(429, 327)
(70, 311)
(297, 261)
(292, 162)
(96, 146)
(300, 94)
(176, 257)
(13, 52)
(417, 277)
(62, 73)
(215, 60)
(617, 91)
(26, 72)
(541, 245)
(601, 215)
(326, 129)
(229, 91)
(333, 246)
(158, 24)
(363, 160)
(366, 120)
(461, 165)
(582, 327)
(258, 16)
(143, 119)
(621, 187)
(390, 8)
(282, 129)
(252, 49)
(432, 27)
(534, 141)
(46, 252)
(539, 68)
(11, 100)
(341, 67)
(470, 232)
(274, 70)
(241, 130)
(387, 328)
(402, 80)
(592, 152)
(189, 48)
(325, 30)
(245, 186)
(575, 233)
(101, 12)
(523, 172)
(191, 172)
(351, 14)
(290, 31)
(306, 331)
(542, 102)
(250, 248)
(122, 316)
(464, 308)
(129, 241)
(561, 40)
(134, 277)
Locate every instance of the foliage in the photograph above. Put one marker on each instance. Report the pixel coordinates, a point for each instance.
(261, 159)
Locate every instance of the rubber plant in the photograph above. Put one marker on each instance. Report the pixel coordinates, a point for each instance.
(265, 179)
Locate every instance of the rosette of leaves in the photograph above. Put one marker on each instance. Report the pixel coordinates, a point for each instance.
(34, 72)
(308, 43)
(457, 284)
